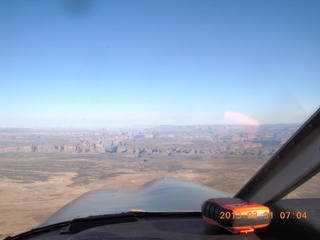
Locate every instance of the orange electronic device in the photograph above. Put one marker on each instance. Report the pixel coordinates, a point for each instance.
(235, 215)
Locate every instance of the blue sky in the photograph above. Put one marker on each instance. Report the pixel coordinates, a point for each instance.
(100, 64)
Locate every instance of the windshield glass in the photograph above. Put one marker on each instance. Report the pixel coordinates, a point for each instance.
(114, 94)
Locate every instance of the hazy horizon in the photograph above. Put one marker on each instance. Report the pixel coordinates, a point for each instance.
(137, 127)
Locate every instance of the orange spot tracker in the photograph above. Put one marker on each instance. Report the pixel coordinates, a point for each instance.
(235, 215)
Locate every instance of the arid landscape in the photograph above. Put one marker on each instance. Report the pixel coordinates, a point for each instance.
(42, 170)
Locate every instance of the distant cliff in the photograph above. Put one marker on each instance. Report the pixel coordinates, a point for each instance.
(125, 149)
(166, 140)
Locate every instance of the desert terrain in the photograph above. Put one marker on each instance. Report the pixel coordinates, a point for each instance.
(42, 170)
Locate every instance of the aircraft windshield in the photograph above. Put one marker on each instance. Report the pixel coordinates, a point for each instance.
(114, 94)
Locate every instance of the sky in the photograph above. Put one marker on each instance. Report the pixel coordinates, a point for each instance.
(103, 64)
